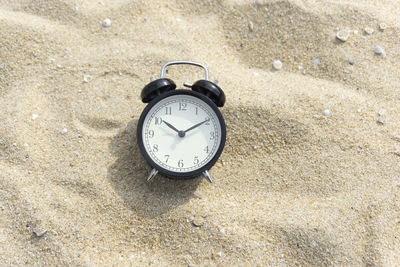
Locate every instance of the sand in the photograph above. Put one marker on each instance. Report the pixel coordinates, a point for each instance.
(292, 187)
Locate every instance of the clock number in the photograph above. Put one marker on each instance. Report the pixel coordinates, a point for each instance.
(157, 121)
(182, 106)
(151, 133)
(206, 149)
(196, 160)
(167, 110)
(197, 110)
(166, 158)
(207, 121)
(180, 163)
(155, 148)
(212, 135)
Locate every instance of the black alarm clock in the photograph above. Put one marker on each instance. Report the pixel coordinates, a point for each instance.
(181, 133)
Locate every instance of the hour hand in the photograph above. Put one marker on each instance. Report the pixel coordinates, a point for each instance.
(180, 133)
(171, 126)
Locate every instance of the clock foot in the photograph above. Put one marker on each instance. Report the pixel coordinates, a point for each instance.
(152, 174)
(208, 176)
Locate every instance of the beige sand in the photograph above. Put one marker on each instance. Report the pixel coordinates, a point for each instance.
(292, 186)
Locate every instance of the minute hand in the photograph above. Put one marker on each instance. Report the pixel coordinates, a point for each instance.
(197, 125)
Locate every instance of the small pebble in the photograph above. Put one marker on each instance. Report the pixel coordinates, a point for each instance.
(316, 61)
(381, 112)
(219, 254)
(355, 32)
(351, 62)
(342, 35)
(222, 231)
(369, 30)
(382, 26)
(63, 131)
(34, 116)
(86, 78)
(277, 64)
(251, 26)
(326, 112)
(381, 119)
(379, 51)
(39, 234)
(106, 23)
(197, 222)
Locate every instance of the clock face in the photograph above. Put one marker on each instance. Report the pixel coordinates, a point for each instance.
(181, 133)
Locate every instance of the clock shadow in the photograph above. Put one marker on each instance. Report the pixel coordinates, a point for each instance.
(128, 176)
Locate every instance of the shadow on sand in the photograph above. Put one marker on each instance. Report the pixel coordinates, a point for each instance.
(128, 177)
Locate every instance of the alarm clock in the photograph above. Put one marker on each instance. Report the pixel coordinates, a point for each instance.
(181, 133)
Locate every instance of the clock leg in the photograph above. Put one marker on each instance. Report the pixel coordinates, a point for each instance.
(152, 174)
(208, 176)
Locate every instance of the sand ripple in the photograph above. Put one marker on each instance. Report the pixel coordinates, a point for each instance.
(293, 187)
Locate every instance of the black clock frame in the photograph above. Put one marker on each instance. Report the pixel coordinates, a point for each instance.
(172, 174)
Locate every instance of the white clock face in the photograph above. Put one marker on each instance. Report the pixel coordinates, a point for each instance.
(181, 133)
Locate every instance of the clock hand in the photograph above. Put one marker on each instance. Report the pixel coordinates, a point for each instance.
(180, 133)
(195, 126)
(170, 126)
